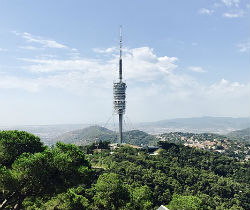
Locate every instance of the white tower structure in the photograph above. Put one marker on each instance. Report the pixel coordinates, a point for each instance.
(119, 90)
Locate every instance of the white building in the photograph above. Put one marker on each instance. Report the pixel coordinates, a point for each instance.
(162, 208)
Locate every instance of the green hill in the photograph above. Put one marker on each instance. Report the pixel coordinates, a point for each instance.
(86, 135)
(96, 133)
(242, 134)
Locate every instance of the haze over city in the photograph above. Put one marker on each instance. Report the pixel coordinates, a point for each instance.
(58, 60)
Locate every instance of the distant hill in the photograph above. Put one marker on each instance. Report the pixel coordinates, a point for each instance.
(46, 132)
(220, 125)
(243, 134)
(96, 133)
(86, 135)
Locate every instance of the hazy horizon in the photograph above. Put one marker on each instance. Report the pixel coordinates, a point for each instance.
(116, 121)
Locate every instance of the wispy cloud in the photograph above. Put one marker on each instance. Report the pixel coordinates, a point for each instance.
(40, 40)
(228, 9)
(107, 50)
(204, 11)
(74, 50)
(14, 82)
(3, 49)
(140, 64)
(196, 69)
(29, 48)
(230, 3)
(237, 14)
(225, 86)
(244, 46)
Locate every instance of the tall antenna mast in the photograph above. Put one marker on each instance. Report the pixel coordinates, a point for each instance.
(120, 61)
(119, 89)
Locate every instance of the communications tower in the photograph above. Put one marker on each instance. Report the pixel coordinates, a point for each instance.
(119, 90)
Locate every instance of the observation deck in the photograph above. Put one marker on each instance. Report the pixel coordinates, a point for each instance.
(119, 90)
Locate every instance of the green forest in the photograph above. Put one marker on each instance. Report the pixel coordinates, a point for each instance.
(94, 177)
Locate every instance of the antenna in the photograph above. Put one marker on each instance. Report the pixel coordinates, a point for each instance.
(119, 90)
(120, 42)
(120, 60)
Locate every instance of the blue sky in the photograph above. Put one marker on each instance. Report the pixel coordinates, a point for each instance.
(58, 59)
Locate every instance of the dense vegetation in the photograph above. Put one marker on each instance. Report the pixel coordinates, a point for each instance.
(232, 146)
(243, 134)
(31, 174)
(61, 177)
(215, 181)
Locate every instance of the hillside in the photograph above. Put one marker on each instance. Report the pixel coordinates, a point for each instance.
(233, 147)
(96, 133)
(240, 134)
(86, 135)
(220, 125)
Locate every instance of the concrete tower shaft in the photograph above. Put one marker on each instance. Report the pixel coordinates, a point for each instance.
(119, 90)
